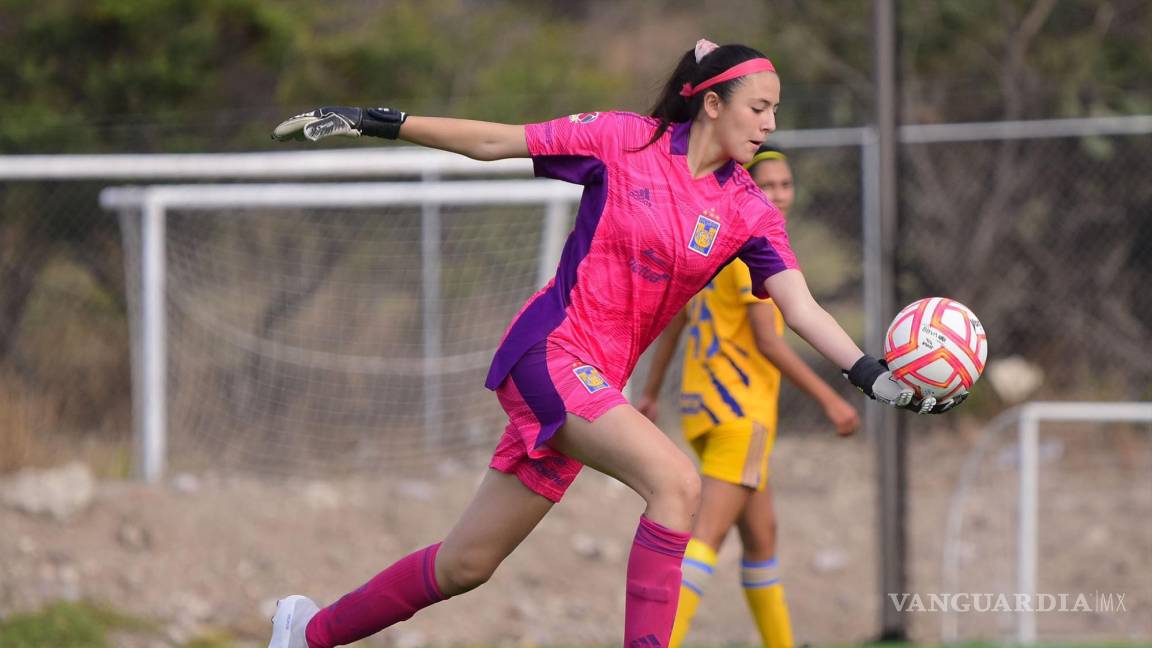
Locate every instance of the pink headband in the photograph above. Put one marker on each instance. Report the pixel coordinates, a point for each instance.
(751, 66)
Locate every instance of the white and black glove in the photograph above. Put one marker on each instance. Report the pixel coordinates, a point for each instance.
(872, 377)
(341, 120)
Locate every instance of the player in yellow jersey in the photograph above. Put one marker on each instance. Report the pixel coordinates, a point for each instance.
(734, 358)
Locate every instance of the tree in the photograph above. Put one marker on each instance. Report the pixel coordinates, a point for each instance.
(1033, 231)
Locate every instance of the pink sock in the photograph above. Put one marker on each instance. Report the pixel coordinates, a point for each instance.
(653, 585)
(392, 596)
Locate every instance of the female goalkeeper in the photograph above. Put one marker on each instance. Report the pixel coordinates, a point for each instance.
(666, 205)
(729, 395)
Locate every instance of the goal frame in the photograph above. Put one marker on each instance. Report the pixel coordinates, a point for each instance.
(150, 205)
(1026, 418)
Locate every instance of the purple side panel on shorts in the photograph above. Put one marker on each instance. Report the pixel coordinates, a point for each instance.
(534, 382)
(548, 311)
(763, 261)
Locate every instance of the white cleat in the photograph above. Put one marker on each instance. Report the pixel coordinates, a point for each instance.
(292, 616)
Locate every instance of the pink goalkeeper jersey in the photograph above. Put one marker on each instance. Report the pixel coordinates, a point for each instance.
(647, 238)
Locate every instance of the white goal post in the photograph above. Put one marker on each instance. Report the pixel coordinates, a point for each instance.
(152, 204)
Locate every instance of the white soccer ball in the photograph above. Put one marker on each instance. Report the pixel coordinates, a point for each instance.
(937, 347)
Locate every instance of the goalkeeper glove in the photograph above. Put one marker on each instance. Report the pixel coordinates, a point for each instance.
(872, 377)
(341, 120)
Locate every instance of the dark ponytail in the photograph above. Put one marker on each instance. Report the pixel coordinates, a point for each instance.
(672, 108)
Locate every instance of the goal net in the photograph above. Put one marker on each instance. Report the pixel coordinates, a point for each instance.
(297, 328)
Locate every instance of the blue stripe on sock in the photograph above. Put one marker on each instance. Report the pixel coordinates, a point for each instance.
(771, 562)
(702, 566)
(758, 584)
(692, 586)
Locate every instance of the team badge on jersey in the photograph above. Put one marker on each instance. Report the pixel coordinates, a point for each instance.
(583, 118)
(704, 236)
(591, 378)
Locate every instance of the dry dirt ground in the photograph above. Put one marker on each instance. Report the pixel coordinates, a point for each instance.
(205, 552)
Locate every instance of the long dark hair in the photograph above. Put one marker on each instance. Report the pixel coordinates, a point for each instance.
(671, 108)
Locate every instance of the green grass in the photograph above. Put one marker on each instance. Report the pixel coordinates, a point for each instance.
(90, 625)
(66, 625)
(83, 625)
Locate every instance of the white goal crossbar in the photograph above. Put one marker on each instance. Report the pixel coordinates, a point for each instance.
(153, 202)
(1027, 419)
(411, 161)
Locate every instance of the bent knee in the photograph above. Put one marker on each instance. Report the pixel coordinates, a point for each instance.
(679, 484)
(459, 572)
(690, 487)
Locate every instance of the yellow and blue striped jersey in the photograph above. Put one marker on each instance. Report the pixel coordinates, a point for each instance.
(725, 376)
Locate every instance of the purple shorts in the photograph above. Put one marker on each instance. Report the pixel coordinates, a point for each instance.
(543, 387)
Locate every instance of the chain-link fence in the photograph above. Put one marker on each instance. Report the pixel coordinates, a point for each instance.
(1048, 240)
(64, 337)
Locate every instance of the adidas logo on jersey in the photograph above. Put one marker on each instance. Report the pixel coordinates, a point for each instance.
(642, 196)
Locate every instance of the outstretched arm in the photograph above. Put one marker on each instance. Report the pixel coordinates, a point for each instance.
(790, 292)
(665, 350)
(476, 139)
(773, 347)
(802, 314)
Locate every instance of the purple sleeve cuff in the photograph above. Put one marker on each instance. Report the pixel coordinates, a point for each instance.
(764, 260)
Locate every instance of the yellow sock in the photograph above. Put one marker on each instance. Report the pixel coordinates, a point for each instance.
(699, 563)
(765, 596)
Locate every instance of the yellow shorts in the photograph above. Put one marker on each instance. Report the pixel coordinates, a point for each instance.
(736, 452)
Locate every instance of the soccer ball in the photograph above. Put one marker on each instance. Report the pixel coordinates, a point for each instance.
(937, 347)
